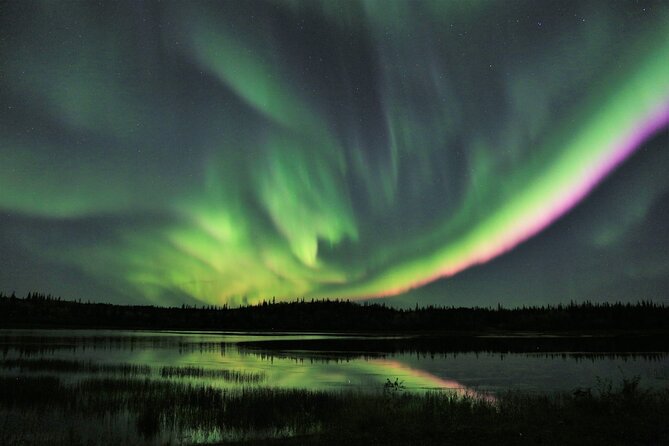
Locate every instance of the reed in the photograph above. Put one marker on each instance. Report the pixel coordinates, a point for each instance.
(67, 366)
(236, 376)
(158, 411)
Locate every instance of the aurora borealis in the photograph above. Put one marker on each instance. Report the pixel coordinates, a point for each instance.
(442, 152)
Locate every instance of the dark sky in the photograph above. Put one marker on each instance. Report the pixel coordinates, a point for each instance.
(439, 152)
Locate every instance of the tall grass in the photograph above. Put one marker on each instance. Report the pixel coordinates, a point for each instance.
(145, 411)
(67, 366)
(236, 376)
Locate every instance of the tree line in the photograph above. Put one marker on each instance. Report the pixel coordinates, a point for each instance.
(40, 310)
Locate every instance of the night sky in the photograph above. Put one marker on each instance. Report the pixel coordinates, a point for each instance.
(441, 152)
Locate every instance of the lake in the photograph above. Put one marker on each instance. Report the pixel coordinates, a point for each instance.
(104, 387)
(484, 364)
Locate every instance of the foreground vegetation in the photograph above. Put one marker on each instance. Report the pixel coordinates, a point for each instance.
(145, 411)
(38, 310)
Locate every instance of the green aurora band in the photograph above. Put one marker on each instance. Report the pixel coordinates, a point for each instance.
(241, 151)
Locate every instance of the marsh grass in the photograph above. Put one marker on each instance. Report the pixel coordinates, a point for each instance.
(67, 366)
(235, 376)
(145, 411)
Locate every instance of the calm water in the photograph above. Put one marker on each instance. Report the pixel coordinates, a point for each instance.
(322, 361)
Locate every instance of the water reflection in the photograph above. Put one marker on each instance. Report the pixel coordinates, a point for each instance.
(327, 361)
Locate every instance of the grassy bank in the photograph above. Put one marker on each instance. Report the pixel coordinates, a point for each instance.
(145, 411)
(126, 370)
(67, 366)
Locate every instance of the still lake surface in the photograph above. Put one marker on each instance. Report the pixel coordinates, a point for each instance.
(329, 361)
